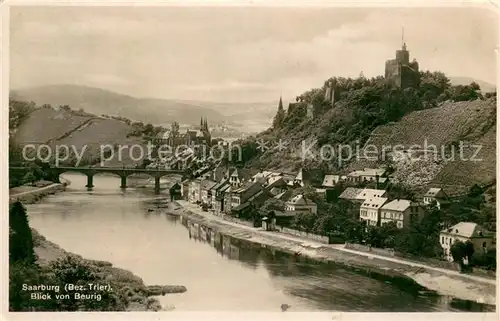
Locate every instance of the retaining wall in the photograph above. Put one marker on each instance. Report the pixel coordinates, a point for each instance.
(313, 237)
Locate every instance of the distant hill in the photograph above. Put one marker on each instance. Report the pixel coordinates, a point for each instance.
(98, 101)
(485, 86)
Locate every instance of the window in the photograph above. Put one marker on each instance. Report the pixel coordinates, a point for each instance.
(484, 244)
(442, 239)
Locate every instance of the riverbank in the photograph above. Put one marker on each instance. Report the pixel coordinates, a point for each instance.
(444, 282)
(134, 294)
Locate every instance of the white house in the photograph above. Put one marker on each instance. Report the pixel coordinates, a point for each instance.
(331, 180)
(435, 195)
(403, 212)
(482, 239)
(300, 203)
(370, 210)
(366, 175)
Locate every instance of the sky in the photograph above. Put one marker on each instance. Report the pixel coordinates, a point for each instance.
(239, 54)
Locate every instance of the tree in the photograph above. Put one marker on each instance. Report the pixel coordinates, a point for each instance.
(468, 250)
(458, 252)
(20, 237)
(29, 178)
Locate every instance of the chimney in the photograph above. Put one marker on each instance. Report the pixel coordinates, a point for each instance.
(376, 181)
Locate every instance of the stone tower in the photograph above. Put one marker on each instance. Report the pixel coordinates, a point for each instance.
(331, 95)
(401, 71)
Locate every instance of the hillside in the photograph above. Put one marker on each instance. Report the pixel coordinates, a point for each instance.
(69, 128)
(469, 122)
(45, 124)
(485, 86)
(244, 117)
(369, 114)
(98, 101)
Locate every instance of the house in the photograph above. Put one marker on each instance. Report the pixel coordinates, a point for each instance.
(277, 218)
(252, 204)
(218, 172)
(174, 190)
(227, 192)
(262, 177)
(370, 210)
(195, 191)
(309, 177)
(330, 180)
(238, 176)
(403, 212)
(288, 178)
(366, 175)
(242, 194)
(284, 196)
(435, 195)
(277, 184)
(300, 203)
(351, 194)
(206, 193)
(482, 239)
(218, 192)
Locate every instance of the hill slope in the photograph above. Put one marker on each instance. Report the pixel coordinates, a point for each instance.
(78, 132)
(98, 101)
(472, 123)
(485, 86)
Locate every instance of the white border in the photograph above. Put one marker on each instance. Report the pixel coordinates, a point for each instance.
(206, 316)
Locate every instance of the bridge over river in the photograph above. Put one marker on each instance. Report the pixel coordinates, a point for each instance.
(122, 172)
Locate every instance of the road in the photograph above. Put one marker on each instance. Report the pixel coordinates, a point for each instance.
(340, 247)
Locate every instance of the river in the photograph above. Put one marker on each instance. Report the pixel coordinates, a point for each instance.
(219, 272)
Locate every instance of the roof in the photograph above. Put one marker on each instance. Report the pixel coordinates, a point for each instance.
(241, 173)
(370, 193)
(397, 205)
(301, 200)
(285, 196)
(433, 192)
(241, 206)
(262, 174)
(247, 186)
(374, 203)
(220, 184)
(276, 181)
(330, 180)
(207, 184)
(468, 230)
(350, 193)
(313, 176)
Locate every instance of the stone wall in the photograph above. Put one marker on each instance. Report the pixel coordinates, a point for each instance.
(313, 237)
(421, 260)
(236, 220)
(369, 249)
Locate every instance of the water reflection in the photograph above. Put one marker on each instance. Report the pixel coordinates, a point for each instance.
(129, 229)
(330, 286)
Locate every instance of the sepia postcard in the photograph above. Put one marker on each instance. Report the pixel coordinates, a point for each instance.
(250, 156)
